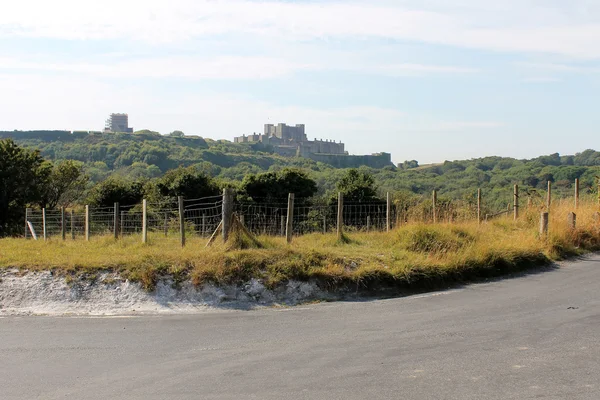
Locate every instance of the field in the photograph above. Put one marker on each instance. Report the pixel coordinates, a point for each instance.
(415, 255)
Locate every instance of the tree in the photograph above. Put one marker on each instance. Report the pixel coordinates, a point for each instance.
(20, 173)
(409, 164)
(357, 187)
(275, 186)
(177, 134)
(65, 184)
(187, 182)
(116, 190)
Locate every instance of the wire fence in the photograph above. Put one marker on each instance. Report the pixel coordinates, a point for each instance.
(202, 217)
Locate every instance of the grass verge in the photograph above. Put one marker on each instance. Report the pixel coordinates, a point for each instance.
(415, 256)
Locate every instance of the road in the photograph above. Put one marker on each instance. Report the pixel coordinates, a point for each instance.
(532, 337)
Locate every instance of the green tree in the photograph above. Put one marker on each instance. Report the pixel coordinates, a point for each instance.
(116, 190)
(64, 185)
(187, 182)
(21, 172)
(275, 186)
(357, 187)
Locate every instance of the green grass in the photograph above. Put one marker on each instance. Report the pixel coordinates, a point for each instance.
(414, 256)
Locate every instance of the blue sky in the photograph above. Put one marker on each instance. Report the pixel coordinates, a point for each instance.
(431, 80)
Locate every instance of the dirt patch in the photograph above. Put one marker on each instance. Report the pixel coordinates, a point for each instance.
(44, 293)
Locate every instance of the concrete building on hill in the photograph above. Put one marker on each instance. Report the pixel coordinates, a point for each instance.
(291, 141)
(118, 123)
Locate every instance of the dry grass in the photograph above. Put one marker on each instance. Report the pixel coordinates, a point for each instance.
(415, 255)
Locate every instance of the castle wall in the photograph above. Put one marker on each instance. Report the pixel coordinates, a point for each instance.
(379, 160)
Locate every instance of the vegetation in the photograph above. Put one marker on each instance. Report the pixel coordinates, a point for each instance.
(415, 256)
(100, 169)
(146, 155)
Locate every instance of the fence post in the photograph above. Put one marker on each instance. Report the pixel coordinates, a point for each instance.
(516, 202)
(116, 217)
(144, 221)
(72, 225)
(203, 225)
(282, 229)
(324, 224)
(479, 206)
(572, 220)
(544, 224)
(368, 223)
(340, 215)
(434, 208)
(242, 219)
(549, 196)
(576, 193)
(227, 212)
(122, 223)
(27, 210)
(290, 218)
(44, 229)
(166, 225)
(181, 220)
(63, 228)
(87, 223)
(388, 213)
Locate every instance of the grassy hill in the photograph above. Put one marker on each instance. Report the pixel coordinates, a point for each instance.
(146, 154)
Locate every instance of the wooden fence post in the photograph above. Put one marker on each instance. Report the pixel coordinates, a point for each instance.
(203, 225)
(368, 223)
(434, 206)
(388, 213)
(122, 223)
(227, 212)
(87, 223)
(181, 220)
(479, 206)
(549, 196)
(544, 224)
(576, 194)
(340, 215)
(282, 226)
(116, 218)
(324, 224)
(63, 227)
(44, 228)
(26, 226)
(144, 221)
(72, 225)
(572, 220)
(290, 218)
(166, 225)
(516, 202)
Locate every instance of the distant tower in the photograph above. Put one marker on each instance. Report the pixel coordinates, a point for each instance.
(118, 123)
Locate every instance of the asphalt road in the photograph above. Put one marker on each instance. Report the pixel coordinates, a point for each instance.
(532, 337)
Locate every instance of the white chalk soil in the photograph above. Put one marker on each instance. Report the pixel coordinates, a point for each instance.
(45, 293)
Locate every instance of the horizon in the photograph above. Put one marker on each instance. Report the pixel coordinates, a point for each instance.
(432, 80)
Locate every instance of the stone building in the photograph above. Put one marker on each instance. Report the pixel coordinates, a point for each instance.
(291, 141)
(118, 123)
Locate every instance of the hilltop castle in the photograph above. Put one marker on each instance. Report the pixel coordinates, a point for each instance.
(291, 141)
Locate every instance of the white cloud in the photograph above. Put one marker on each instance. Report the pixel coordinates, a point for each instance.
(571, 29)
(220, 67)
(559, 68)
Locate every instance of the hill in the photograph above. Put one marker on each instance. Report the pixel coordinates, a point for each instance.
(147, 154)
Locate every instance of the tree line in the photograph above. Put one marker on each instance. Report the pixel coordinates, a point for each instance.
(28, 180)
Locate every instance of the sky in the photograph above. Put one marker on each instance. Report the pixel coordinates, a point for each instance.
(430, 80)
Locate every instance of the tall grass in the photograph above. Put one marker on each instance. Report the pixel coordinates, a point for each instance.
(413, 255)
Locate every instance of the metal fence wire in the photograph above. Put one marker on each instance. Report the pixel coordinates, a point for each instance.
(202, 217)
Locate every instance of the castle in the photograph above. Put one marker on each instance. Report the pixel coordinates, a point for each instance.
(291, 141)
